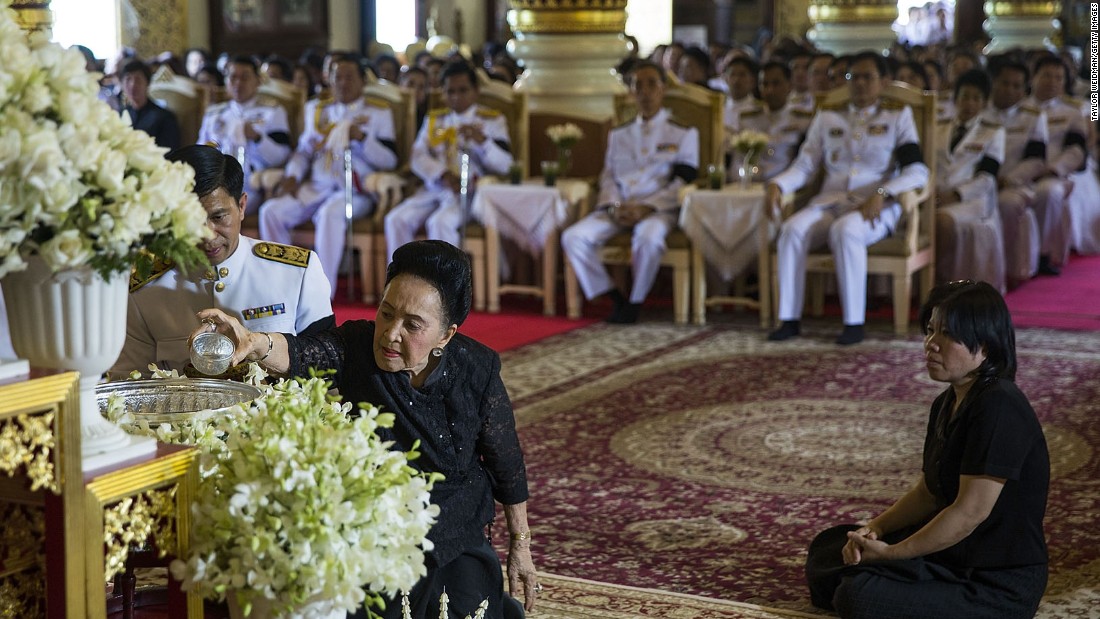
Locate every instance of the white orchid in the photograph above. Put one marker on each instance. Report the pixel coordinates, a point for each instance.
(77, 183)
(749, 141)
(565, 135)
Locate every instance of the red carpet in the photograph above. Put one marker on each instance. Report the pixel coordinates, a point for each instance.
(1071, 301)
(520, 322)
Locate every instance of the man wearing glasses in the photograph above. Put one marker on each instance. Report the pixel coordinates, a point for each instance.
(870, 153)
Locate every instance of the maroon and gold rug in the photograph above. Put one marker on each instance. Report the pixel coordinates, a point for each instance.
(701, 460)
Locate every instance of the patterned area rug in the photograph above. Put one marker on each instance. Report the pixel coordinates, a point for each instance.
(702, 460)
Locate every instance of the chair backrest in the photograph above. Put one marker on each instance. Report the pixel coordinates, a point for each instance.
(690, 105)
(291, 99)
(510, 103)
(403, 107)
(923, 104)
(182, 96)
(588, 154)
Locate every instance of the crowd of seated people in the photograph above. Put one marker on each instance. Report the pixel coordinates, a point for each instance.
(1015, 163)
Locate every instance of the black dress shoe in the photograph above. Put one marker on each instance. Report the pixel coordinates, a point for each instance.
(627, 314)
(787, 330)
(1046, 268)
(852, 334)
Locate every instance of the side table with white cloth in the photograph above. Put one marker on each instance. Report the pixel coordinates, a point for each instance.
(532, 215)
(728, 229)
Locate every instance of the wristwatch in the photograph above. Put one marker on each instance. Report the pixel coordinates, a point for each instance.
(886, 195)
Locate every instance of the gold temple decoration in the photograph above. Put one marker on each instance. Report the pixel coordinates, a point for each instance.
(27, 441)
(1023, 9)
(33, 16)
(567, 16)
(133, 521)
(23, 594)
(850, 11)
(22, 582)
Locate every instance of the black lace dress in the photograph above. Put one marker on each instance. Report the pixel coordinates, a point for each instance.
(461, 415)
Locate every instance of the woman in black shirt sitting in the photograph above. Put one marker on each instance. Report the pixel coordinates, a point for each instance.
(967, 539)
(446, 392)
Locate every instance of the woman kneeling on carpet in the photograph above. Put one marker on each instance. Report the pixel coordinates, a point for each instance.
(967, 539)
(446, 392)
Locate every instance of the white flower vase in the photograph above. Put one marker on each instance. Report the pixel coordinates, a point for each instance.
(261, 609)
(75, 320)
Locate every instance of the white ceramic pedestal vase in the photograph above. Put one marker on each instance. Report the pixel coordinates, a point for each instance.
(261, 609)
(75, 320)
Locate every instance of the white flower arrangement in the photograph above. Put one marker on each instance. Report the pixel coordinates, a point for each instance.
(565, 135)
(78, 185)
(302, 504)
(749, 142)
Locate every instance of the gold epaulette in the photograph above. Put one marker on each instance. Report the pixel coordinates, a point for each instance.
(801, 112)
(1074, 101)
(439, 111)
(268, 100)
(1029, 109)
(751, 112)
(990, 123)
(676, 123)
(891, 104)
(487, 112)
(160, 267)
(835, 107)
(377, 102)
(286, 254)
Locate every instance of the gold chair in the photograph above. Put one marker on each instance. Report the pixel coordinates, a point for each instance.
(692, 105)
(911, 249)
(183, 97)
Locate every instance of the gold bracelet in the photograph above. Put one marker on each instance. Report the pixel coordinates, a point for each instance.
(270, 345)
(519, 537)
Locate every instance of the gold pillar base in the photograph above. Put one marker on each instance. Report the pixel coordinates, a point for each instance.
(34, 16)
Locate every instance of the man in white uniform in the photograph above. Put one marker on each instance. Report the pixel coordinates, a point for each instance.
(464, 124)
(969, 152)
(648, 160)
(268, 287)
(313, 187)
(740, 77)
(861, 147)
(777, 115)
(255, 132)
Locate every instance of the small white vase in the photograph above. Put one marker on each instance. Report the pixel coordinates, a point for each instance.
(75, 320)
(261, 609)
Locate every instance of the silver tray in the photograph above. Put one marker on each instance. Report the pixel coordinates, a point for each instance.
(176, 400)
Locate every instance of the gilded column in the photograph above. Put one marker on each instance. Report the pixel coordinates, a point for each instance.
(570, 49)
(1023, 24)
(847, 26)
(34, 16)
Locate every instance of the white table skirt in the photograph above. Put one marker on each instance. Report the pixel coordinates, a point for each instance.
(528, 213)
(724, 225)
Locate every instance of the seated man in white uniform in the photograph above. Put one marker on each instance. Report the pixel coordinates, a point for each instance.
(740, 76)
(1025, 163)
(268, 287)
(969, 151)
(462, 125)
(254, 132)
(870, 153)
(780, 117)
(648, 160)
(1066, 159)
(313, 187)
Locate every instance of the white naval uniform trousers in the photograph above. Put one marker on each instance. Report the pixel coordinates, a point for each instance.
(645, 163)
(1067, 141)
(859, 150)
(223, 128)
(1021, 212)
(263, 293)
(969, 239)
(321, 196)
(436, 207)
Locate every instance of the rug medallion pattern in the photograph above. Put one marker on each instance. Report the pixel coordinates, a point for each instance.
(702, 460)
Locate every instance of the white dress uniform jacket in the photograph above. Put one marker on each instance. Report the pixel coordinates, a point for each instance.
(436, 150)
(860, 151)
(969, 239)
(646, 162)
(318, 163)
(731, 116)
(268, 287)
(1026, 141)
(223, 128)
(787, 128)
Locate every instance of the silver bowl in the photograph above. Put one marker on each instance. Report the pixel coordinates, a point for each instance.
(211, 353)
(176, 400)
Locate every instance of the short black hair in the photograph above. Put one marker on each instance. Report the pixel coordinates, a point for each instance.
(750, 65)
(213, 169)
(1002, 64)
(349, 58)
(459, 67)
(916, 68)
(647, 64)
(1054, 61)
(245, 60)
(977, 78)
(880, 62)
(975, 315)
(283, 64)
(445, 267)
(700, 56)
(212, 69)
(136, 66)
(777, 65)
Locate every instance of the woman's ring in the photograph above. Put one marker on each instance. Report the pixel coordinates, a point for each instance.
(207, 321)
(538, 587)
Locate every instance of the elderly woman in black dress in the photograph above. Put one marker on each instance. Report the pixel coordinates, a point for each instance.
(446, 392)
(966, 540)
